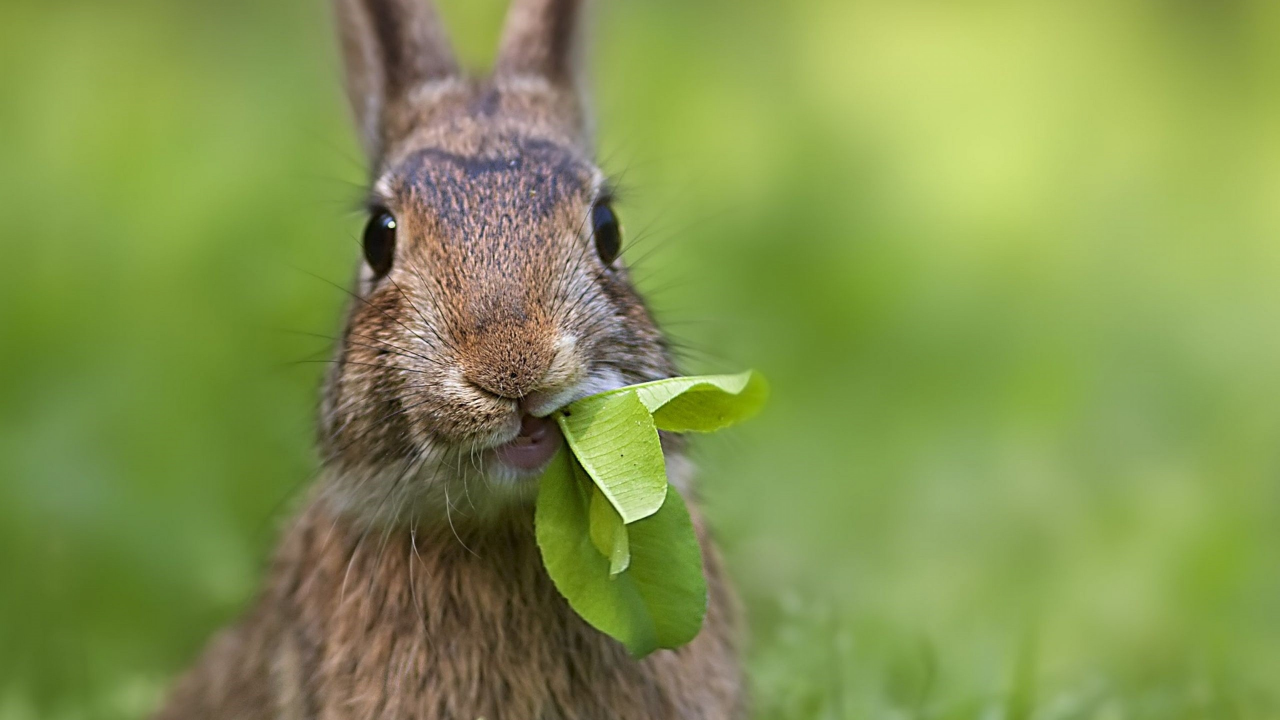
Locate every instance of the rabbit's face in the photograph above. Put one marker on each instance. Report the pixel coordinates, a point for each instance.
(491, 294)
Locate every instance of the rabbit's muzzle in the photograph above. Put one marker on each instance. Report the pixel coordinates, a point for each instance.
(508, 358)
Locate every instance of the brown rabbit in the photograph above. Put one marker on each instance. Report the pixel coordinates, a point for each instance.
(491, 294)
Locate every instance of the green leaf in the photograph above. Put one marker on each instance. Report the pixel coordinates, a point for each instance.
(577, 568)
(616, 541)
(704, 403)
(608, 532)
(666, 567)
(615, 439)
(659, 601)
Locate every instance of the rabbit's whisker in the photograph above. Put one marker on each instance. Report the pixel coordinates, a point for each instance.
(448, 512)
(426, 323)
(386, 314)
(411, 469)
(435, 302)
(406, 352)
(333, 455)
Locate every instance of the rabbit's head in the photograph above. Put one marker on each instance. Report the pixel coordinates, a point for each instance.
(491, 291)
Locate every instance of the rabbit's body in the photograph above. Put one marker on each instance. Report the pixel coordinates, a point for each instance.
(411, 585)
(355, 625)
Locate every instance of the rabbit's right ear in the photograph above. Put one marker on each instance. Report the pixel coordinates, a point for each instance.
(543, 39)
(391, 47)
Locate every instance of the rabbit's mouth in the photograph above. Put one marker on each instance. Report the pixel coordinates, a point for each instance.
(535, 445)
(526, 454)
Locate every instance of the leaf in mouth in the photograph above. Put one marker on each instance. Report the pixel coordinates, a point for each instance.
(614, 438)
(616, 539)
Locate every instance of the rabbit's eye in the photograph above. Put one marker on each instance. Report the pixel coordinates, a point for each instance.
(608, 236)
(380, 242)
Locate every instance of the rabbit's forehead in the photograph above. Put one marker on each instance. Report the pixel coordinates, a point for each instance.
(519, 178)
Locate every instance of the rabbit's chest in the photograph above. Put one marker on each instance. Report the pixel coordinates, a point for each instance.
(432, 625)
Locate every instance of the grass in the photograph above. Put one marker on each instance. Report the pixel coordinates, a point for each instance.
(1010, 268)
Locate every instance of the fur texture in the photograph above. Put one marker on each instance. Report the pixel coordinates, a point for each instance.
(423, 624)
(411, 586)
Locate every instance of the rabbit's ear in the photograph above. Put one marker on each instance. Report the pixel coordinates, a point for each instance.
(544, 39)
(390, 47)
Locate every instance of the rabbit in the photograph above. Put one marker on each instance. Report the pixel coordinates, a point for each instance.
(490, 294)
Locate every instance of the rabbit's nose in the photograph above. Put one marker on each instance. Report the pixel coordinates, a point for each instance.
(509, 360)
(510, 374)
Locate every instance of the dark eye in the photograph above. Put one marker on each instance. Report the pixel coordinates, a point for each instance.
(604, 226)
(380, 242)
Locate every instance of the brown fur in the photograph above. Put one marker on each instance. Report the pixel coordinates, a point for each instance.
(411, 586)
(424, 624)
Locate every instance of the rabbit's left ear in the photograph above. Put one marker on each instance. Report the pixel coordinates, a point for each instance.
(544, 39)
(390, 48)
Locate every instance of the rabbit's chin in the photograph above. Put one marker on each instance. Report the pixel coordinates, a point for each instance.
(461, 486)
(474, 483)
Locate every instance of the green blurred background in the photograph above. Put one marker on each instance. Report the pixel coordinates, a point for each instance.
(1012, 268)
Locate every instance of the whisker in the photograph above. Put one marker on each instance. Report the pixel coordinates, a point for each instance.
(420, 609)
(332, 454)
(344, 361)
(435, 301)
(400, 350)
(314, 357)
(426, 323)
(342, 594)
(573, 263)
(383, 350)
(368, 304)
(448, 513)
(466, 487)
(411, 469)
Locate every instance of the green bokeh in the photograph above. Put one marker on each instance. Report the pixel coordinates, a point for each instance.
(1012, 268)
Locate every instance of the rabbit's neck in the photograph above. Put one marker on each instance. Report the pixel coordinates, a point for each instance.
(447, 497)
(421, 622)
(389, 622)
(347, 574)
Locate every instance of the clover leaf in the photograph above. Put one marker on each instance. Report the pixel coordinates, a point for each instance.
(614, 438)
(617, 542)
(659, 600)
